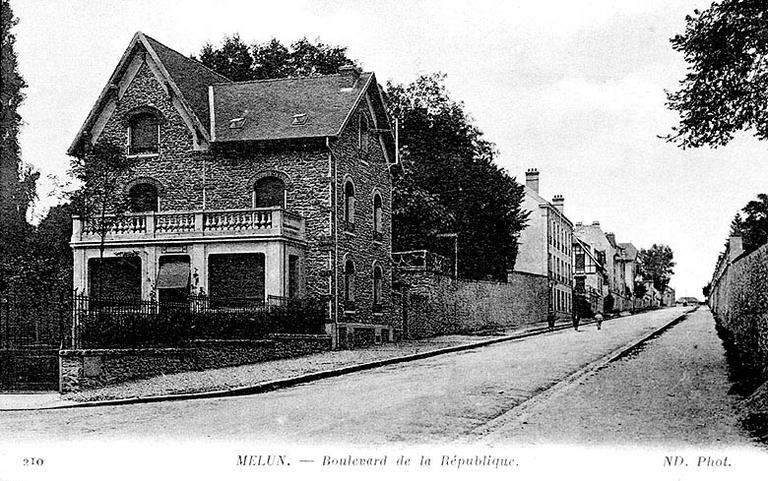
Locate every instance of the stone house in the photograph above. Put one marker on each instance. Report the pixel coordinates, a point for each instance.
(545, 246)
(264, 189)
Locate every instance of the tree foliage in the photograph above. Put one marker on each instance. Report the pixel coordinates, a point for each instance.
(17, 180)
(726, 88)
(753, 227)
(272, 59)
(450, 184)
(656, 264)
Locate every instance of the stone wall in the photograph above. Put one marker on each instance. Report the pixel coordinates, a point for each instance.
(436, 304)
(369, 173)
(94, 368)
(739, 300)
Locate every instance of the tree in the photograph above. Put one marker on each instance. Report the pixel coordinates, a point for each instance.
(639, 290)
(450, 183)
(17, 181)
(100, 202)
(706, 290)
(235, 60)
(754, 226)
(656, 264)
(726, 88)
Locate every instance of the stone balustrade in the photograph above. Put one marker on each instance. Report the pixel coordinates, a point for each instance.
(208, 223)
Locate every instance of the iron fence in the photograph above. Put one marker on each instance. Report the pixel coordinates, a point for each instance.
(123, 323)
(33, 321)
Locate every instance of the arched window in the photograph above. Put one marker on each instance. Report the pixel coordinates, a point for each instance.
(349, 285)
(377, 276)
(269, 192)
(377, 213)
(349, 206)
(143, 134)
(143, 198)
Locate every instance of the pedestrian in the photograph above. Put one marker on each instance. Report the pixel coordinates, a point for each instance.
(599, 320)
(551, 321)
(575, 318)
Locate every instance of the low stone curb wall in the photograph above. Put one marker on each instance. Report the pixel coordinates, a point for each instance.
(93, 368)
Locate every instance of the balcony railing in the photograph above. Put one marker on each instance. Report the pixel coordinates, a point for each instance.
(171, 225)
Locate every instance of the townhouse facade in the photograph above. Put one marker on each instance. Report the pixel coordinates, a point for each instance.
(266, 189)
(589, 275)
(546, 244)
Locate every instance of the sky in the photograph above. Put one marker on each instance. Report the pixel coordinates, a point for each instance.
(574, 88)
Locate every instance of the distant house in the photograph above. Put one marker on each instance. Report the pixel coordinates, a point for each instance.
(545, 246)
(589, 275)
(265, 189)
(687, 301)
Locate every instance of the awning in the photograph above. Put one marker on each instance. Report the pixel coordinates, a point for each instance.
(173, 274)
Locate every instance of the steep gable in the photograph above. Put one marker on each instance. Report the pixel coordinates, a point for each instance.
(184, 79)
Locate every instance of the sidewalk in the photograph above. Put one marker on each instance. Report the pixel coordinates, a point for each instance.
(221, 381)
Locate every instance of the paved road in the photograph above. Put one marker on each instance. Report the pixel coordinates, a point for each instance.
(432, 400)
(672, 391)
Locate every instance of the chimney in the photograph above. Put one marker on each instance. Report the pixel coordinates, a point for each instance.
(558, 201)
(352, 72)
(532, 179)
(735, 247)
(611, 238)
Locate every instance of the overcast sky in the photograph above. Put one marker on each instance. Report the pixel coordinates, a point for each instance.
(573, 88)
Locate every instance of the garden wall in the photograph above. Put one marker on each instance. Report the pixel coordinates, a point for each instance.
(739, 301)
(436, 304)
(93, 368)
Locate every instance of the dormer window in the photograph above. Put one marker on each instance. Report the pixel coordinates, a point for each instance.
(237, 123)
(143, 134)
(300, 119)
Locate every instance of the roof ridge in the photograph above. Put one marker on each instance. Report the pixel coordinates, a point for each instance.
(267, 80)
(228, 80)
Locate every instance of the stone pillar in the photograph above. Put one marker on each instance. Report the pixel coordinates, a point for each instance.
(148, 273)
(80, 271)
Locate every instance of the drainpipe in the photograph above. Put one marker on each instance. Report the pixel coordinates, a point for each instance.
(334, 210)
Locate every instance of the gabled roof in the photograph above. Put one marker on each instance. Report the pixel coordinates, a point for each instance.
(187, 79)
(191, 76)
(629, 250)
(267, 109)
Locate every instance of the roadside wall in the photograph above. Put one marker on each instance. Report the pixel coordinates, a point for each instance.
(93, 368)
(739, 301)
(435, 304)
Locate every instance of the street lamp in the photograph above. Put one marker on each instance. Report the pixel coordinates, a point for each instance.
(455, 238)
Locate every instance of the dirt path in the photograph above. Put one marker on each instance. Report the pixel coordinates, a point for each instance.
(672, 391)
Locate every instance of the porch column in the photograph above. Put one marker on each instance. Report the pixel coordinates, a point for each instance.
(274, 270)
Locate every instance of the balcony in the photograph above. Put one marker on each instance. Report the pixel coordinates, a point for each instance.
(189, 225)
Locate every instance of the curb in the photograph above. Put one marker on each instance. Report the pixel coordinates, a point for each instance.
(518, 412)
(275, 384)
(267, 386)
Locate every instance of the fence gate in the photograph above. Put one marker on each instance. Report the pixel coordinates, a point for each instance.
(31, 333)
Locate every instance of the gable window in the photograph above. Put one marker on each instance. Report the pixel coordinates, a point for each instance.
(349, 206)
(364, 133)
(377, 214)
(143, 198)
(349, 285)
(143, 133)
(269, 192)
(377, 276)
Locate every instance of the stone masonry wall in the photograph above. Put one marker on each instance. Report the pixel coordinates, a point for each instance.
(369, 172)
(90, 369)
(435, 304)
(739, 299)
